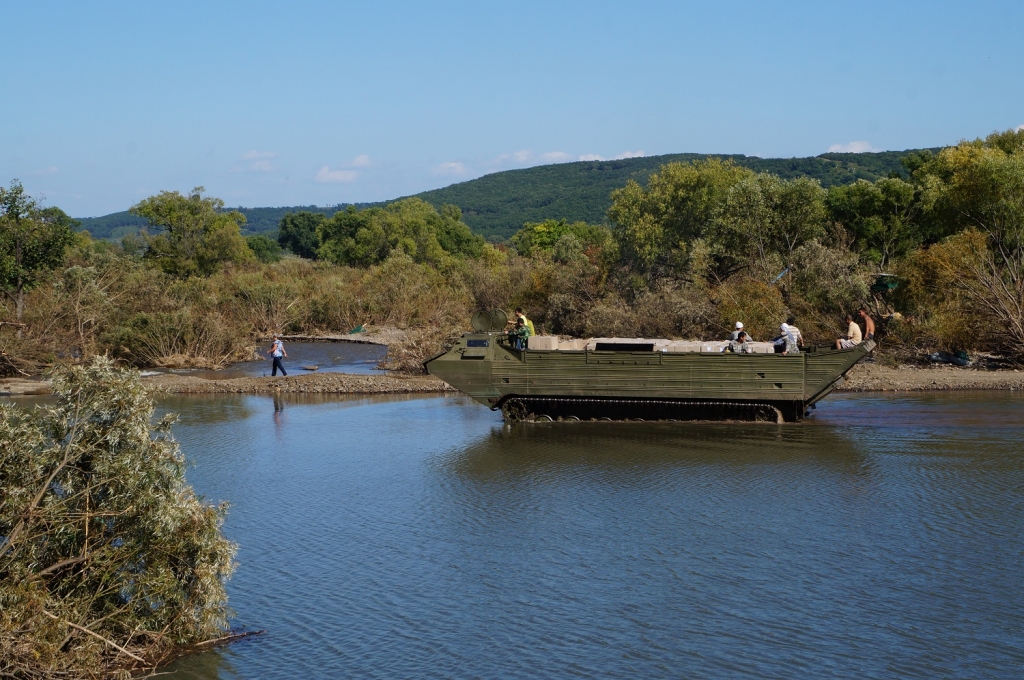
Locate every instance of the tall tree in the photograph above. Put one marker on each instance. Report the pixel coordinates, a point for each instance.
(297, 233)
(881, 216)
(197, 236)
(412, 226)
(32, 242)
(656, 226)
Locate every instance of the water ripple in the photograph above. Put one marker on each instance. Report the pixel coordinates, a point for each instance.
(423, 538)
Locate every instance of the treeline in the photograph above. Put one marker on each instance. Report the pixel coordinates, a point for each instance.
(698, 247)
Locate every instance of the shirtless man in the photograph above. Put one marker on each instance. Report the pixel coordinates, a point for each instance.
(869, 324)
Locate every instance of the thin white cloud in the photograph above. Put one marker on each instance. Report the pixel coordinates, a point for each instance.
(256, 161)
(1019, 128)
(361, 161)
(629, 154)
(450, 168)
(327, 176)
(555, 156)
(591, 157)
(52, 170)
(852, 147)
(522, 156)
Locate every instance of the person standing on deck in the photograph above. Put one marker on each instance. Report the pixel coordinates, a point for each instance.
(277, 351)
(736, 333)
(869, 324)
(526, 322)
(519, 334)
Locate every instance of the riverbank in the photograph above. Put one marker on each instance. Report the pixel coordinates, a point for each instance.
(310, 383)
(873, 377)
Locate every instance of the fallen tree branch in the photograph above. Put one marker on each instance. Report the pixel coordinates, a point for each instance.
(95, 635)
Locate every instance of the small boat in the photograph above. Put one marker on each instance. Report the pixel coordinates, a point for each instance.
(309, 368)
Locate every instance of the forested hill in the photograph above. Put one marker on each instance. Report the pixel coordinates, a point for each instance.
(497, 205)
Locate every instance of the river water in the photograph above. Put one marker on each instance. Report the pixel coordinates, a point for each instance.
(423, 538)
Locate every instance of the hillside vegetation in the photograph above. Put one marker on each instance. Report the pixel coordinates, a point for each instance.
(688, 252)
(497, 205)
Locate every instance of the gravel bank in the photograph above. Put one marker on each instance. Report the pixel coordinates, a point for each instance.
(871, 377)
(314, 383)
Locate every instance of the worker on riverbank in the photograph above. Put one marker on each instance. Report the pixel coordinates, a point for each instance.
(277, 352)
(853, 334)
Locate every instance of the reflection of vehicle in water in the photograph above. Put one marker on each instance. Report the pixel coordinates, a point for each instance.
(639, 379)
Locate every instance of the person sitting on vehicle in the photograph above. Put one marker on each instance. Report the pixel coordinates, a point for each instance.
(736, 333)
(869, 324)
(797, 335)
(526, 322)
(741, 345)
(785, 343)
(853, 335)
(518, 334)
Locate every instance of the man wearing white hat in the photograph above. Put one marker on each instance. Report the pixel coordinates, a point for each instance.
(736, 333)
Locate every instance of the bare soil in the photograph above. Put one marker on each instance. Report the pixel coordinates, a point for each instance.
(873, 377)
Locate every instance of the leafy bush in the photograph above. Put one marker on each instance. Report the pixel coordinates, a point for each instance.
(108, 559)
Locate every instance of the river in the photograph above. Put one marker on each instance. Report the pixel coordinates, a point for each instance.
(423, 538)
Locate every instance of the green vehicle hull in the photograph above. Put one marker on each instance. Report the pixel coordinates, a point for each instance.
(642, 385)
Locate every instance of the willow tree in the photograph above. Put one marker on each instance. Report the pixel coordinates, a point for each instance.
(108, 559)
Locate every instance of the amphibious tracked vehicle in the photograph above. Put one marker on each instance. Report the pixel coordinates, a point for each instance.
(638, 378)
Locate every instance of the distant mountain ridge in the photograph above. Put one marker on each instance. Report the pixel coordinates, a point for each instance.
(497, 205)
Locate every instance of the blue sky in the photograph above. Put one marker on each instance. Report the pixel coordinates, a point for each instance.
(271, 103)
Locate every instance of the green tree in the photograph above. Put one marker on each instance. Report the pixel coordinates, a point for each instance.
(656, 226)
(412, 226)
(197, 238)
(32, 242)
(297, 233)
(977, 189)
(264, 248)
(765, 219)
(881, 216)
(544, 237)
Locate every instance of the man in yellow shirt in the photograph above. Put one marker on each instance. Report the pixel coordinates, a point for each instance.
(526, 322)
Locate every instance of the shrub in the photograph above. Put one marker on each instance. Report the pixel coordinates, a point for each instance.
(108, 561)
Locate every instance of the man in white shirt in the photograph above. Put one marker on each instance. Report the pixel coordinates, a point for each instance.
(853, 335)
(277, 351)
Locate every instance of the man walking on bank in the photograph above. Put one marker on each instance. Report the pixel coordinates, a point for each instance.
(277, 351)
